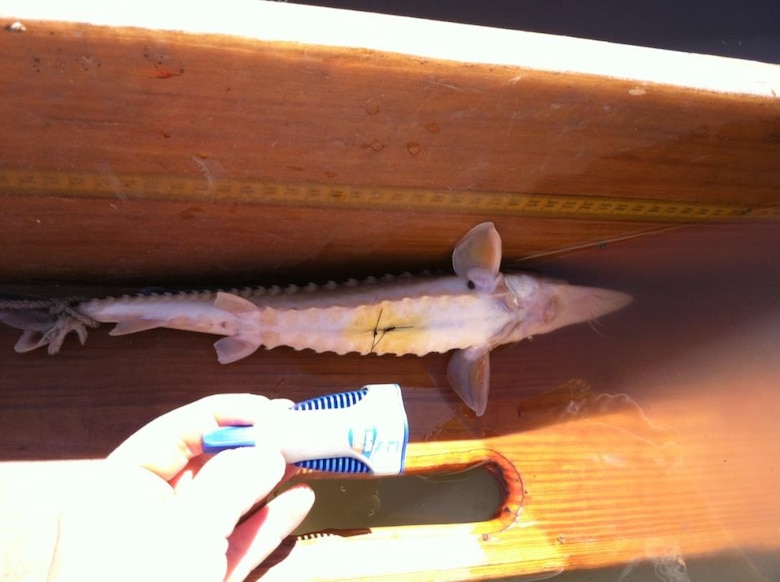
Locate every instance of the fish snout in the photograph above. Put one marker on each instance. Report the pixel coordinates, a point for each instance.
(569, 304)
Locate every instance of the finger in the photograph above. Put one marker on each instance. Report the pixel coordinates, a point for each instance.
(228, 486)
(165, 445)
(258, 536)
(187, 474)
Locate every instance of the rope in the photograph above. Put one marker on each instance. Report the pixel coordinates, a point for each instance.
(67, 307)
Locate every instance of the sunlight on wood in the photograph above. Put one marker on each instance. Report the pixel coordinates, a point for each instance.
(654, 441)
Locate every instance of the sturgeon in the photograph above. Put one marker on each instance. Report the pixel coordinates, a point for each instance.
(468, 314)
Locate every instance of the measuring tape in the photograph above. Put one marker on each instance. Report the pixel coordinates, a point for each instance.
(131, 186)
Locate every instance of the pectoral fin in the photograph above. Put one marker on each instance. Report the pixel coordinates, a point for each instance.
(477, 256)
(469, 374)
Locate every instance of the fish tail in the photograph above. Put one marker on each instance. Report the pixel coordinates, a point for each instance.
(45, 323)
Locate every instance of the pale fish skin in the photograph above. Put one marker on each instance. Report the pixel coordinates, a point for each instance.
(468, 314)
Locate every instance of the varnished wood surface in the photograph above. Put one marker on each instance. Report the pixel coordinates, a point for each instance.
(681, 466)
(114, 101)
(654, 437)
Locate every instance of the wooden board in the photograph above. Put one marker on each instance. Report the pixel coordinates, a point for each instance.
(592, 478)
(131, 106)
(651, 440)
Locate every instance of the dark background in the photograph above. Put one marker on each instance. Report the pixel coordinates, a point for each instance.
(746, 29)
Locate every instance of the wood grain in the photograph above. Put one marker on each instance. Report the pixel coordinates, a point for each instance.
(652, 439)
(111, 101)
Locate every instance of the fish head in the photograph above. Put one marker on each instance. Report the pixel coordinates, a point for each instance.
(545, 304)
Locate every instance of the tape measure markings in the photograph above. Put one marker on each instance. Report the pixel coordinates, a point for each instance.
(31, 182)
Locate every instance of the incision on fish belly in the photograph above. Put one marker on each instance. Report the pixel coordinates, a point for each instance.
(380, 328)
(403, 327)
(389, 330)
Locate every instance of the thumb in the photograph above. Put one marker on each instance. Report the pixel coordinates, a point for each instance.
(228, 485)
(260, 534)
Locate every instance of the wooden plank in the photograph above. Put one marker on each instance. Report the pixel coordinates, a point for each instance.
(410, 36)
(652, 441)
(110, 102)
(659, 475)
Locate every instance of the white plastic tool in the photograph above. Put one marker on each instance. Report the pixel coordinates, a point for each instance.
(363, 431)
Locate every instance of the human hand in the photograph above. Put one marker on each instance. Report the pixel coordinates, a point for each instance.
(159, 509)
